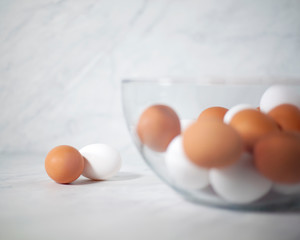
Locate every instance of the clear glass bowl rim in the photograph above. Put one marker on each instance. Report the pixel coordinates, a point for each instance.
(243, 81)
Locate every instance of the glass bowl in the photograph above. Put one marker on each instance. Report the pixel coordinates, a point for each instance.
(188, 98)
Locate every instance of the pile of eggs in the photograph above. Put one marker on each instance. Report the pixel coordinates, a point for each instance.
(243, 152)
(64, 164)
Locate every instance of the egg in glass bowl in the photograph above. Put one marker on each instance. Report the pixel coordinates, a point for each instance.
(220, 142)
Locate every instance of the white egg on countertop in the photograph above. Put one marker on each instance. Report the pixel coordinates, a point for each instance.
(277, 95)
(185, 123)
(183, 172)
(240, 183)
(287, 189)
(101, 161)
(234, 110)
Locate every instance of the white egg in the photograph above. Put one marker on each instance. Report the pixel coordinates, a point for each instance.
(234, 110)
(287, 189)
(183, 172)
(240, 183)
(185, 123)
(101, 161)
(279, 94)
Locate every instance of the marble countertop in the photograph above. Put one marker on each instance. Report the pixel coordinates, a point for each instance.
(135, 204)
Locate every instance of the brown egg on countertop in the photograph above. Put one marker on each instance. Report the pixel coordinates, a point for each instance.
(287, 116)
(213, 112)
(157, 126)
(212, 144)
(252, 125)
(277, 157)
(64, 164)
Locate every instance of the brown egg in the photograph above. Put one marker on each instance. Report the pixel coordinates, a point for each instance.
(64, 164)
(212, 144)
(157, 126)
(213, 112)
(287, 116)
(253, 125)
(277, 157)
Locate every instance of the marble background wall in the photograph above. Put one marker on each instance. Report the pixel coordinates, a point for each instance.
(61, 61)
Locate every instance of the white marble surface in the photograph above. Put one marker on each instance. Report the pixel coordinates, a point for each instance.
(61, 63)
(133, 205)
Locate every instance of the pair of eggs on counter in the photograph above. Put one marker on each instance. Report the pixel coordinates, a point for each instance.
(242, 152)
(64, 164)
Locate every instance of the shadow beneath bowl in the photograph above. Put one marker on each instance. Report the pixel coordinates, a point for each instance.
(288, 207)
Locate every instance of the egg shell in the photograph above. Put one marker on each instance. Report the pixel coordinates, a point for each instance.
(277, 95)
(234, 110)
(287, 117)
(157, 126)
(252, 125)
(101, 161)
(240, 183)
(64, 164)
(277, 157)
(185, 123)
(183, 172)
(213, 112)
(287, 189)
(211, 143)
